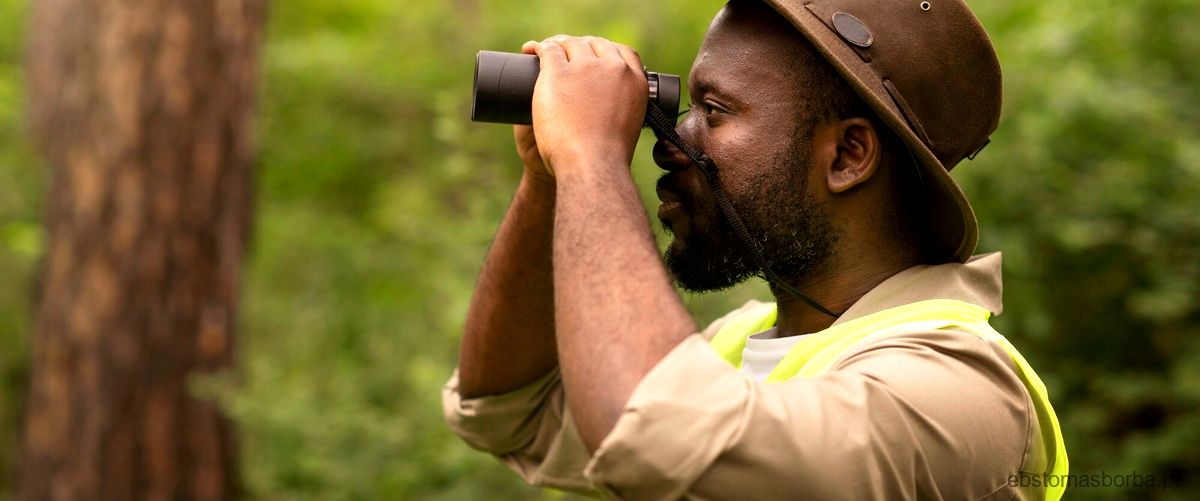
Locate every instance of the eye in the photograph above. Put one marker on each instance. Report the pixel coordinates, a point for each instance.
(705, 107)
(710, 107)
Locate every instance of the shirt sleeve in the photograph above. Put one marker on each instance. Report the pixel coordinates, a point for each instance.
(528, 429)
(915, 416)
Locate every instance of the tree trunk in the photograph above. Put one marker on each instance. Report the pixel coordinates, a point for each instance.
(144, 111)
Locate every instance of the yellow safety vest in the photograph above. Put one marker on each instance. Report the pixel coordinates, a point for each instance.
(814, 354)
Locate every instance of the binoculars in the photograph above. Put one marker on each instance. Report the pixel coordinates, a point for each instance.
(503, 89)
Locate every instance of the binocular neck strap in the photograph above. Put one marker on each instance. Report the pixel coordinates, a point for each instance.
(665, 127)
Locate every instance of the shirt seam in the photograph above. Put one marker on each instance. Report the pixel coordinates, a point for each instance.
(997, 489)
(1028, 428)
(1010, 364)
(1028, 404)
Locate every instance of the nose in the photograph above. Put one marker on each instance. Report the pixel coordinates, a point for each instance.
(670, 158)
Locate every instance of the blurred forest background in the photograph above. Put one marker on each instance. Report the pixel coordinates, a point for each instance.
(377, 198)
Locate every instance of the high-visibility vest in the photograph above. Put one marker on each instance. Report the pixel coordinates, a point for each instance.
(814, 354)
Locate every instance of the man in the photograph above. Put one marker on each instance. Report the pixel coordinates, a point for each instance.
(832, 125)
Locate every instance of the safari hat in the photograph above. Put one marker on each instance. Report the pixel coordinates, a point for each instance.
(929, 71)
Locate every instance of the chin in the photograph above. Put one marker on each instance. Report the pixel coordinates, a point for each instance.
(697, 270)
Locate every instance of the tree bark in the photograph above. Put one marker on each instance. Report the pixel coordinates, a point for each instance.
(143, 110)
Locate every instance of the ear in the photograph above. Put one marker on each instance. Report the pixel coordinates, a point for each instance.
(857, 154)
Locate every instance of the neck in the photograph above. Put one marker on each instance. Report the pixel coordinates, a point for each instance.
(837, 284)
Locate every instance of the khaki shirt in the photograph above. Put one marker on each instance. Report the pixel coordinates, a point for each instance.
(919, 415)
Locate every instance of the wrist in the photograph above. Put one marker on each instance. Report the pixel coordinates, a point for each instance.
(591, 161)
(537, 186)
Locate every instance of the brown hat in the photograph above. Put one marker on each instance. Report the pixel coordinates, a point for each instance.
(929, 71)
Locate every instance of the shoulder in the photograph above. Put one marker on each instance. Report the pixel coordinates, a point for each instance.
(961, 390)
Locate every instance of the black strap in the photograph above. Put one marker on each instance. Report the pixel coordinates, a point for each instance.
(665, 127)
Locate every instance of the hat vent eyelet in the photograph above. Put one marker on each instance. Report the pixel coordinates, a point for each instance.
(925, 6)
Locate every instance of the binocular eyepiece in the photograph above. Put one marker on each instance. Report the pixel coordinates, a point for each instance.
(503, 89)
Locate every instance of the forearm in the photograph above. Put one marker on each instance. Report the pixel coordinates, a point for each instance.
(508, 341)
(616, 312)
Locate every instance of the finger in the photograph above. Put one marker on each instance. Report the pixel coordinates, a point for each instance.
(529, 47)
(601, 47)
(631, 57)
(551, 54)
(575, 47)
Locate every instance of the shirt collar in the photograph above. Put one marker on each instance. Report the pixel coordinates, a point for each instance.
(976, 281)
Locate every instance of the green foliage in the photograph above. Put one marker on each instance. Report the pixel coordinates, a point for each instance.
(377, 200)
(20, 230)
(1090, 188)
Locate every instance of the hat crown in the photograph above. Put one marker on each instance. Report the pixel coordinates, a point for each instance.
(935, 62)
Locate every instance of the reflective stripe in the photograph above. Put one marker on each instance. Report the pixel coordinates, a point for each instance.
(814, 354)
(730, 340)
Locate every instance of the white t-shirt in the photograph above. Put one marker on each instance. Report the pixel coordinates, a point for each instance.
(763, 352)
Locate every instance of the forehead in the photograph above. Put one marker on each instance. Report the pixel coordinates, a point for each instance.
(748, 48)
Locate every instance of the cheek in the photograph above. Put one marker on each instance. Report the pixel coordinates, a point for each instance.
(743, 155)
(727, 144)
(698, 200)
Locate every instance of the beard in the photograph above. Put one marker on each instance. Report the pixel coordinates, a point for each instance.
(793, 232)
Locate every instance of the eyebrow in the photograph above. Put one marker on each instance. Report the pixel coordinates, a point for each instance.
(706, 86)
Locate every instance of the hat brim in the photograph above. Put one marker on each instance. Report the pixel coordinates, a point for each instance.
(950, 220)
